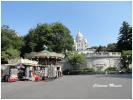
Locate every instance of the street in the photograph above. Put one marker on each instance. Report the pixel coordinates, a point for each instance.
(71, 87)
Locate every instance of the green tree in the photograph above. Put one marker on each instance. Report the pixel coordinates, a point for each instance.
(10, 53)
(101, 49)
(62, 39)
(55, 36)
(75, 59)
(111, 47)
(125, 37)
(11, 43)
(126, 59)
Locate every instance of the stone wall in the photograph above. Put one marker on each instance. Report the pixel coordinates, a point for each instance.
(98, 61)
(103, 60)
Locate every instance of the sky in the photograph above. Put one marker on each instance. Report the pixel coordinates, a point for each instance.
(99, 22)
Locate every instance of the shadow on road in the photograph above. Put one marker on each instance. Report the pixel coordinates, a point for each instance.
(129, 76)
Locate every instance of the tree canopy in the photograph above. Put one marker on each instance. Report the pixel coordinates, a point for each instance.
(75, 59)
(100, 48)
(111, 47)
(11, 43)
(55, 36)
(125, 37)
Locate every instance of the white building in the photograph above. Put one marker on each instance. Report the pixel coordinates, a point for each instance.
(80, 43)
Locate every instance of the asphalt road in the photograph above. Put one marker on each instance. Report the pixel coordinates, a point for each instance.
(71, 87)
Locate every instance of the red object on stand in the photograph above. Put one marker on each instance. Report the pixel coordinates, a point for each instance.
(37, 78)
(12, 79)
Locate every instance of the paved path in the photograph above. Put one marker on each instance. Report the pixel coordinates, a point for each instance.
(71, 87)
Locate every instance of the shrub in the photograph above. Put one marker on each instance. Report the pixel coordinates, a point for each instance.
(111, 69)
(126, 59)
(88, 70)
(75, 59)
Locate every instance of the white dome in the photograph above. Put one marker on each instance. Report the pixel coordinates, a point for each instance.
(79, 35)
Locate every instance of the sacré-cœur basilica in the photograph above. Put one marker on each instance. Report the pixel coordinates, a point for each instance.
(97, 60)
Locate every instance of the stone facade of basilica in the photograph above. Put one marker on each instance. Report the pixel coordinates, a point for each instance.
(80, 43)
